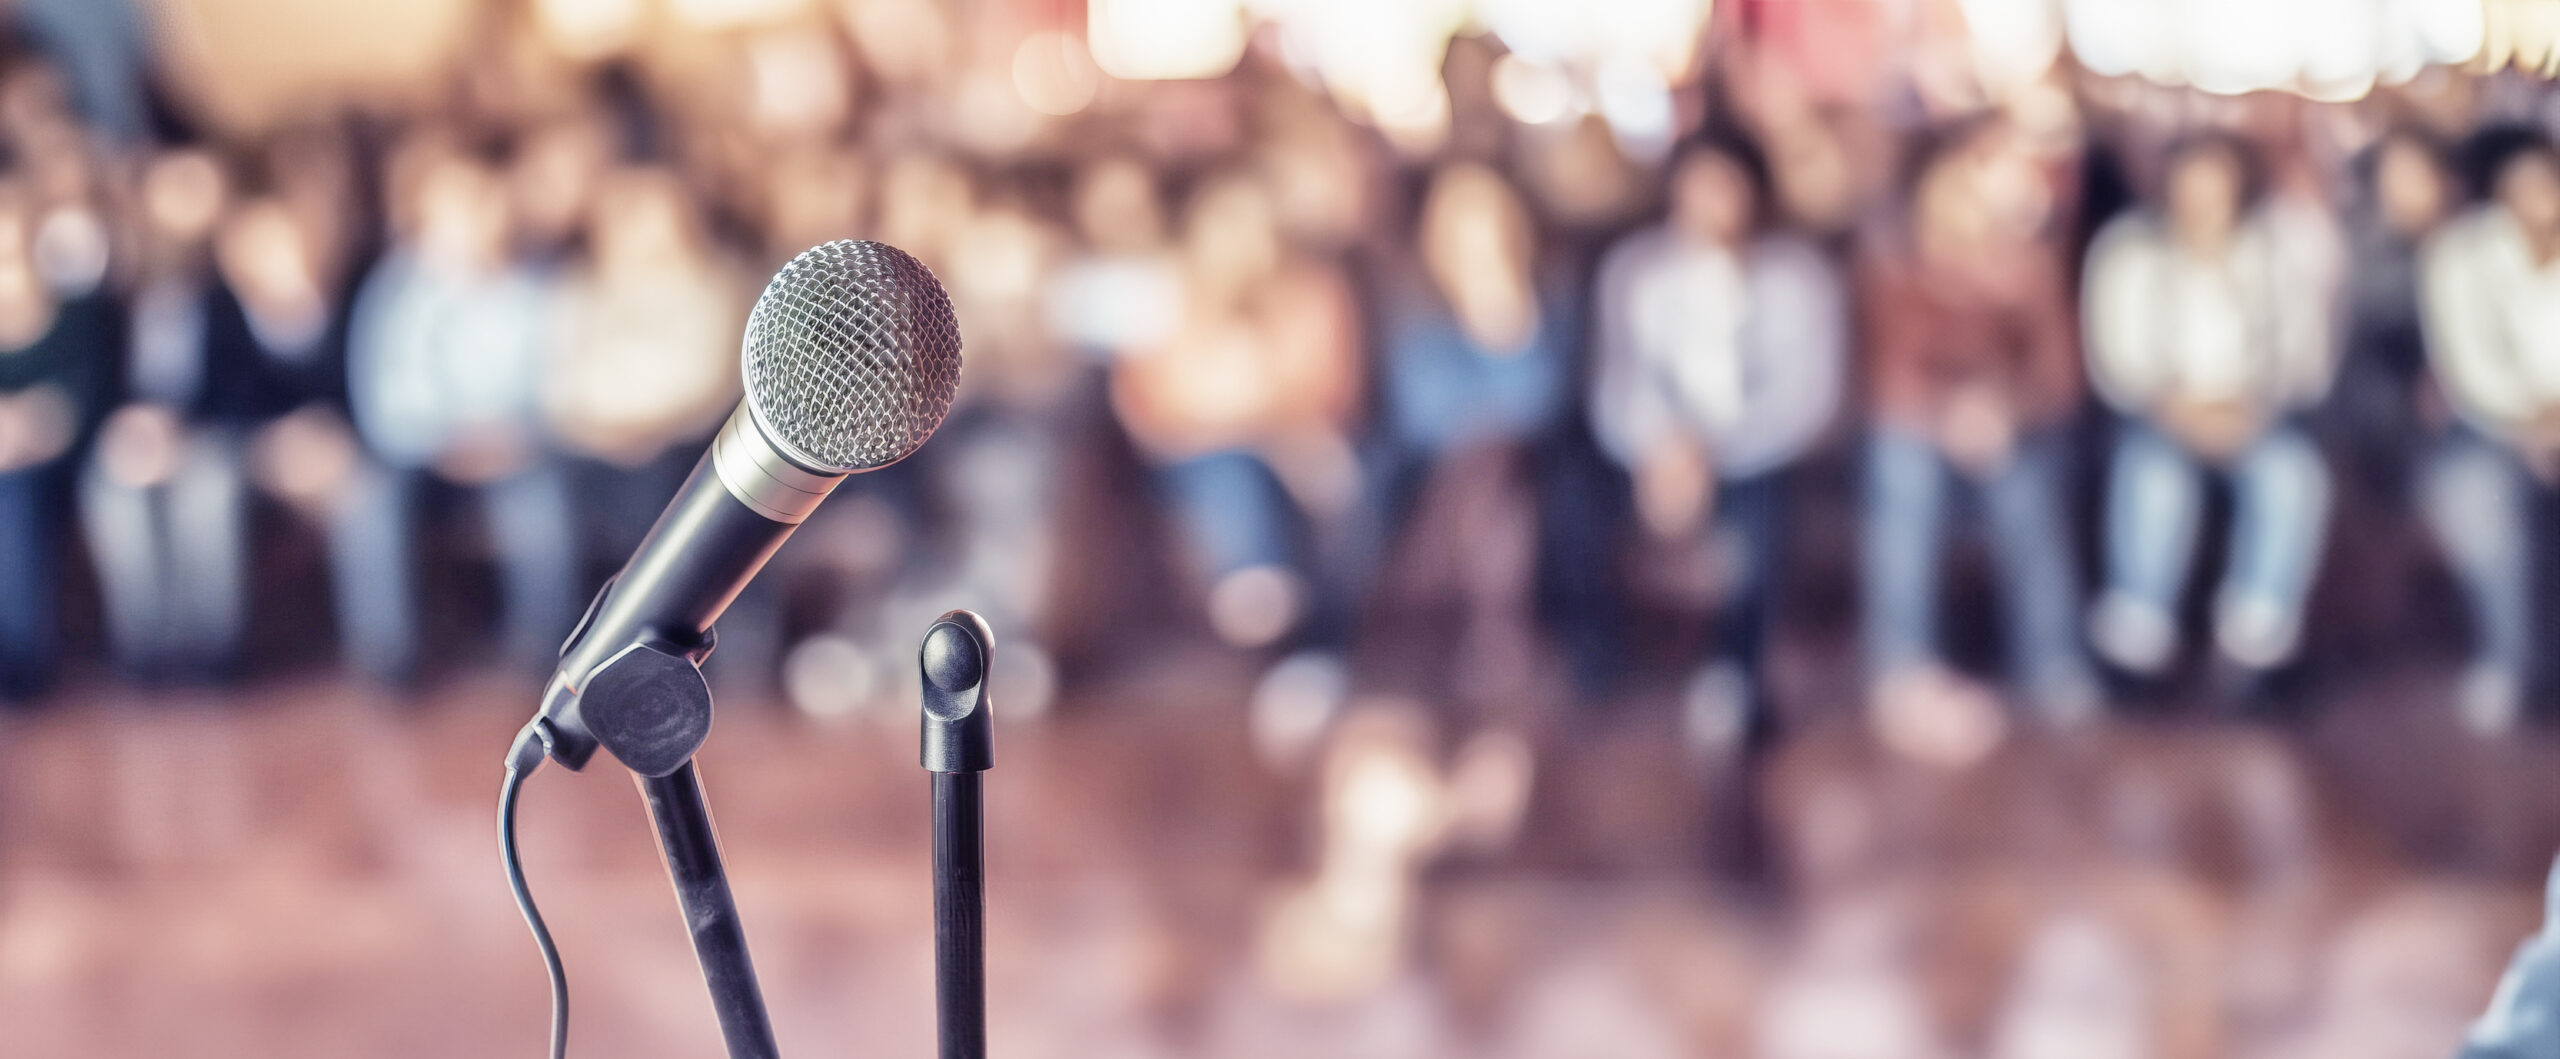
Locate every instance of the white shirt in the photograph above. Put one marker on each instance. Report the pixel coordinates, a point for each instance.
(2492, 319)
(1744, 353)
(2250, 326)
(644, 359)
(432, 356)
(1115, 304)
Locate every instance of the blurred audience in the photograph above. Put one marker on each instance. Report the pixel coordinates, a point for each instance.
(1395, 364)
(1360, 354)
(1342, 417)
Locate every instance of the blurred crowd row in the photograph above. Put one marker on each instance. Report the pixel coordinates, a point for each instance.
(1521, 382)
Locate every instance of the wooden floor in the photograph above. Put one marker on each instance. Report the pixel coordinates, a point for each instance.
(298, 870)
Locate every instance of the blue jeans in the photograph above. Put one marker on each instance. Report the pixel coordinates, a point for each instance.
(1910, 487)
(2155, 508)
(1750, 512)
(172, 560)
(1232, 510)
(29, 561)
(2481, 501)
(533, 535)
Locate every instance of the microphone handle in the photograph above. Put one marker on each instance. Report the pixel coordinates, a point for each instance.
(703, 550)
(741, 502)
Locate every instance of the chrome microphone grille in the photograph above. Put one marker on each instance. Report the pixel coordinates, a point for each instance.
(852, 356)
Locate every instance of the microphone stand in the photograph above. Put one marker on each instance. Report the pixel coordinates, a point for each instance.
(958, 749)
(702, 890)
(649, 705)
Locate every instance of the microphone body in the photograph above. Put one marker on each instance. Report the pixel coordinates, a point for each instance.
(741, 502)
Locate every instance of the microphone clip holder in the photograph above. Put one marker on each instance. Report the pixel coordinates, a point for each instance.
(648, 704)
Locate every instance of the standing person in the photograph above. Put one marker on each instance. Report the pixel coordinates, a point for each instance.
(445, 359)
(1720, 356)
(1974, 379)
(2491, 304)
(2209, 334)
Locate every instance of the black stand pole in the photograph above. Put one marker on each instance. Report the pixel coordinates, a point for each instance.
(959, 744)
(959, 911)
(702, 888)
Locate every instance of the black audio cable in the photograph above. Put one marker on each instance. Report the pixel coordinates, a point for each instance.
(532, 746)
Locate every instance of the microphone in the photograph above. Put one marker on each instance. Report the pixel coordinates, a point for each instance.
(851, 359)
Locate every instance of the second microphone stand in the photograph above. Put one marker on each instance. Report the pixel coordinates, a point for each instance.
(959, 745)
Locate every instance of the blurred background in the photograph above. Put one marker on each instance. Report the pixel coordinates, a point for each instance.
(1787, 529)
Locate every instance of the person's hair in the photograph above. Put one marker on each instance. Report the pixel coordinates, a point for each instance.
(1738, 148)
(2491, 151)
(2201, 143)
(1937, 145)
(2368, 163)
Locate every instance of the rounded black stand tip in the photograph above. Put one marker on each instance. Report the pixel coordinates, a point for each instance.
(957, 655)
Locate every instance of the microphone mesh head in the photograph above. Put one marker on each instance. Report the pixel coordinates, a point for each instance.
(852, 356)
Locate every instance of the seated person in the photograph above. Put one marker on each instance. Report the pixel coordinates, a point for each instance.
(2490, 283)
(1477, 374)
(164, 500)
(56, 345)
(445, 361)
(2208, 332)
(1720, 361)
(1246, 408)
(1974, 378)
